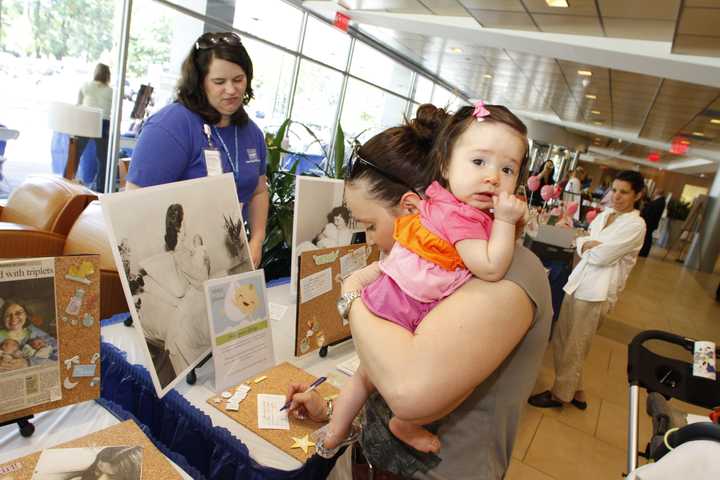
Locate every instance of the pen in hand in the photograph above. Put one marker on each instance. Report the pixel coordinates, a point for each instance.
(312, 387)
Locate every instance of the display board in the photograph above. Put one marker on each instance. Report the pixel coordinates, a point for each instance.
(276, 382)
(154, 464)
(320, 276)
(50, 334)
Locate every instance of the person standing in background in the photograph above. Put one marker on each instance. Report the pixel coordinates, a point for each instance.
(652, 213)
(98, 94)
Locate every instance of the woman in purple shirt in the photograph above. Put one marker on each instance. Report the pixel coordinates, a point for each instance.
(207, 131)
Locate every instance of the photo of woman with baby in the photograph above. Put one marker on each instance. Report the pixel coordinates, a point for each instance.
(23, 343)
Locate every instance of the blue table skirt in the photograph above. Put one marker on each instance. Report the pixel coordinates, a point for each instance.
(182, 431)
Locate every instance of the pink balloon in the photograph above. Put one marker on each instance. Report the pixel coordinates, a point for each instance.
(556, 192)
(571, 208)
(547, 192)
(590, 216)
(533, 183)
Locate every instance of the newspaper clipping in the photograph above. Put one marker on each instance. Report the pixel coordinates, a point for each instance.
(29, 370)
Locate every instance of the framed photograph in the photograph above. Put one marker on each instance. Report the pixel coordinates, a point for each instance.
(118, 463)
(167, 241)
(321, 219)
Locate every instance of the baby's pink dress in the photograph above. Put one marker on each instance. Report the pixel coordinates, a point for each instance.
(411, 283)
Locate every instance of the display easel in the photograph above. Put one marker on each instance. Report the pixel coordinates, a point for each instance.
(690, 227)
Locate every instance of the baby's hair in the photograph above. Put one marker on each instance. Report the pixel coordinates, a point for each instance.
(458, 123)
(10, 340)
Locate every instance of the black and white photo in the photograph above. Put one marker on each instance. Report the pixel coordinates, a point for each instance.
(96, 463)
(167, 241)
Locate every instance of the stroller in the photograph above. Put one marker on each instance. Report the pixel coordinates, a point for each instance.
(665, 378)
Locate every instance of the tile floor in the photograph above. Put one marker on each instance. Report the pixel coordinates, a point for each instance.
(592, 444)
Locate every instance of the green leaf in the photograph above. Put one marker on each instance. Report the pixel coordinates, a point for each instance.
(339, 152)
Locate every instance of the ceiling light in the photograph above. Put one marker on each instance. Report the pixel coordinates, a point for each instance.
(715, 121)
(702, 175)
(585, 73)
(456, 50)
(595, 112)
(598, 123)
(620, 140)
(698, 134)
(590, 96)
(487, 75)
(557, 3)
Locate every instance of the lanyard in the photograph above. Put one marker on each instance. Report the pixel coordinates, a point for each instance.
(233, 165)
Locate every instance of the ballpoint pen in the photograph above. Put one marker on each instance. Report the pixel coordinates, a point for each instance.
(312, 387)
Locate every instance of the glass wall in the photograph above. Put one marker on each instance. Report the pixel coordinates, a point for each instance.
(300, 71)
(46, 55)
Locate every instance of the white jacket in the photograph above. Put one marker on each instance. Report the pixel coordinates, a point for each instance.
(601, 274)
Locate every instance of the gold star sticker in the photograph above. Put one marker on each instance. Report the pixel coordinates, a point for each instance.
(302, 442)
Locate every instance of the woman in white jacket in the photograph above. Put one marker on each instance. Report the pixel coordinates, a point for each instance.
(607, 254)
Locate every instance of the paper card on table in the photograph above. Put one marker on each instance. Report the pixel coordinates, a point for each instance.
(269, 414)
(353, 261)
(239, 326)
(704, 360)
(277, 310)
(350, 365)
(315, 285)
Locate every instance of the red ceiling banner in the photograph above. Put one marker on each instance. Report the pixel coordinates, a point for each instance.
(653, 156)
(342, 21)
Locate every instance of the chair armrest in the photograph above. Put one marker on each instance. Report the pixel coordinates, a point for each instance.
(21, 241)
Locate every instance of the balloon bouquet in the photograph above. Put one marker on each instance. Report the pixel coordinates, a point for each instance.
(564, 212)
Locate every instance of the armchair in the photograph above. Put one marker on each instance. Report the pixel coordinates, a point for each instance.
(38, 215)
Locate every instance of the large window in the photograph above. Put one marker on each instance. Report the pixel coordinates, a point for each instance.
(316, 103)
(272, 84)
(326, 44)
(272, 20)
(373, 66)
(46, 54)
(423, 90)
(369, 110)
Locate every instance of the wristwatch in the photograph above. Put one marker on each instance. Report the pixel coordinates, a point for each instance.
(345, 301)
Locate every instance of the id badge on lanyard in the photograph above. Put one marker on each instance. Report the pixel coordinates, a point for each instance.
(213, 162)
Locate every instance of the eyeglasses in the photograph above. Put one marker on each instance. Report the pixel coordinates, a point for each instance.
(356, 159)
(211, 40)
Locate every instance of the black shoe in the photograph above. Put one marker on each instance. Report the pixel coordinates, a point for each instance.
(579, 404)
(544, 400)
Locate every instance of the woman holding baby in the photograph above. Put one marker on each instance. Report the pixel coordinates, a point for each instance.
(21, 343)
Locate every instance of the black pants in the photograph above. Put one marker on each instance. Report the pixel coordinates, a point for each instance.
(101, 150)
(647, 243)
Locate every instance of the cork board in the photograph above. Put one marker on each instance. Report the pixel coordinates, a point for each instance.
(155, 465)
(277, 381)
(317, 320)
(78, 334)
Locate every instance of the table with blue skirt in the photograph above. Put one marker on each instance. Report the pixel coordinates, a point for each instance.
(200, 439)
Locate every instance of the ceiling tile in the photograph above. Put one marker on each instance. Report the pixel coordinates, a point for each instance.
(445, 7)
(696, 45)
(497, 19)
(643, 9)
(507, 5)
(575, 7)
(659, 30)
(700, 21)
(575, 25)
(702, 3)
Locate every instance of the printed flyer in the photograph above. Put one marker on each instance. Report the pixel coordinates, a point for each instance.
(240, 327)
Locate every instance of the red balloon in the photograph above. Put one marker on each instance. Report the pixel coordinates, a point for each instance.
(557, 191)
(533, 183)
(547, 192)
(571, 208)
(590, 215)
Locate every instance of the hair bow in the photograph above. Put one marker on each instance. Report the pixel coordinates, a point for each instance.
(480, 111)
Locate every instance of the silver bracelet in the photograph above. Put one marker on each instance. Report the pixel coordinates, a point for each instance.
(329, 411)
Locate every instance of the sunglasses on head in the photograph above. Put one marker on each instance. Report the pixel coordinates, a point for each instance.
(212, 40)
(354, 169)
